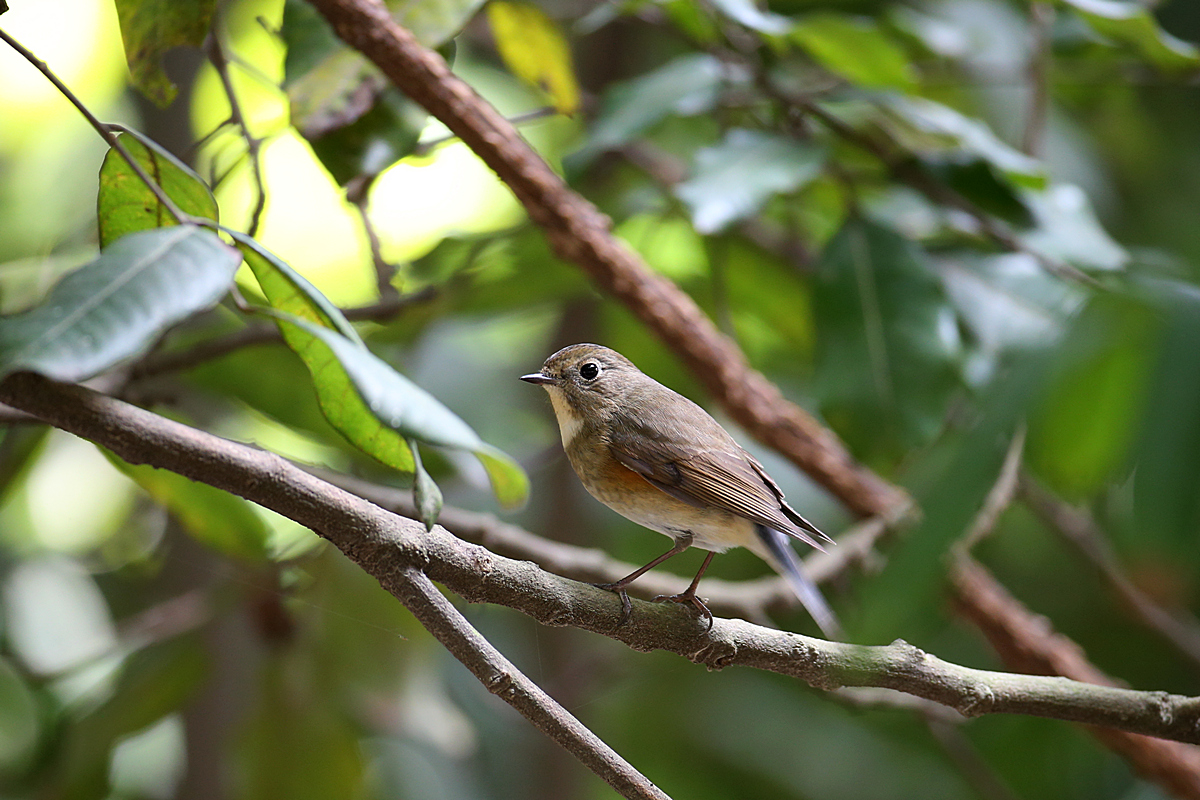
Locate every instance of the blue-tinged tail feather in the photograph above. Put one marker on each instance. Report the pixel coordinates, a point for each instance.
(785, 561)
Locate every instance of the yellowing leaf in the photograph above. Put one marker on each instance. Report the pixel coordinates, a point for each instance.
(535, 50)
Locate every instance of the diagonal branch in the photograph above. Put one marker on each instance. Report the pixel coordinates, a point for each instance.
(388, 547)
(578, 232)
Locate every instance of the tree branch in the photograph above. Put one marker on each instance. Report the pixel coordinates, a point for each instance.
(578, 232)
(752, 600)
(1028, 642)
(389, 547)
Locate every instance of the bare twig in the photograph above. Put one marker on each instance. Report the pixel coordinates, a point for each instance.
(220, 62)
(578, 232)
(389, 547)
(100, 127)
(1037, 79)
(160, 362)
(429, 145)
(1028, 643)
(1176, 627)
(358, 192)
(1001, 495)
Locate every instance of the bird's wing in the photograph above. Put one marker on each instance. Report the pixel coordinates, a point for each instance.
(726, 478)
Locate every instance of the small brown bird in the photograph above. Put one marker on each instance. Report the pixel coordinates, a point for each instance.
(657, 458)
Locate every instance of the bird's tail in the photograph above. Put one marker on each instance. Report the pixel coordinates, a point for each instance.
(785, 561)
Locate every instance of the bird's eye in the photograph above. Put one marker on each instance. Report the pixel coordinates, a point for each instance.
(589, 371)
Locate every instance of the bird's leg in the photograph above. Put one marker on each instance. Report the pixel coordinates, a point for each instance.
(688, 596)
(682, 542)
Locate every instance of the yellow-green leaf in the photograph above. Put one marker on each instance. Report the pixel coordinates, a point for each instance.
(535, 50)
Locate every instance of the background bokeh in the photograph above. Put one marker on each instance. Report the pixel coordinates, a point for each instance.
(154, 653)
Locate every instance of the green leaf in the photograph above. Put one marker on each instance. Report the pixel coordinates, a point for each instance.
(1007, 301)
(980, 182)
(356, 121)
(426, 493)
(152, 27)
(745, 12)
(535, 50)
(115, 307)
(125, 205)
(1132, 24)
(733, 179)
(687, 86)
(887, 347)
(433, 22)
(1067, 229)
(407, 409)
(1082, 429)
(215, 518)
(1166, 483)
(924, 126)
(289, 293)
(856, 49)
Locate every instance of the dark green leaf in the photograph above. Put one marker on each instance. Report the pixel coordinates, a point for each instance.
(152, 27)
(426, 493)
(356, 121)
(733, 179)
(125, 205)
(978, 181)
(856, 49)
(1133, 24)
(1167, 480)
(115, 307)
(687, 86)
(1082, 428)
(887, 346)
(406, 408)
(20, 720)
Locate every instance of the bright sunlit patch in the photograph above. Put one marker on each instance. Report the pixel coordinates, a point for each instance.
(76, 498)
(80, 41)
(416, 204)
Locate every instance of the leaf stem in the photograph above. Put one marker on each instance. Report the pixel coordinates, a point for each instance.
(101, 128)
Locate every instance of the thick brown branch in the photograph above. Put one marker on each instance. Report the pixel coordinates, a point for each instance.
(387, 546)
(578, 232)
(1028, 643)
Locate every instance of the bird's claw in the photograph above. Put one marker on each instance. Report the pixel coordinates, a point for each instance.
(690, 599)
(626, 604)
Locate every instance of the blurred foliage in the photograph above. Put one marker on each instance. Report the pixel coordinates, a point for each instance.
(859, 192)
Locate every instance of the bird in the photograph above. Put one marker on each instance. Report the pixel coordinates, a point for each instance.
(660, 460)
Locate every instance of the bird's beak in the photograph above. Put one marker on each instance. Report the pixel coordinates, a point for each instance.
(538, 378)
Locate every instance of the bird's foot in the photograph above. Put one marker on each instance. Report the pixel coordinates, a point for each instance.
(688, 599)
(618, 589)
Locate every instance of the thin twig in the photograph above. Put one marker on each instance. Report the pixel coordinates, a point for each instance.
(1037, 78)
(100, 127)
(429, 145)
(1178, 628)
(358, 192)
(159, 362)
(1001, 495)
(385, 545)
(217, 57)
